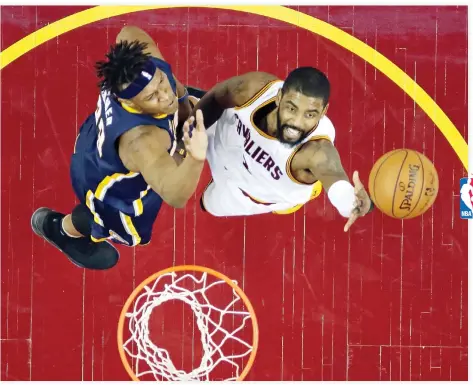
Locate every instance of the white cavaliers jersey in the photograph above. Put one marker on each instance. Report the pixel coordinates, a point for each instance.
(259, 165)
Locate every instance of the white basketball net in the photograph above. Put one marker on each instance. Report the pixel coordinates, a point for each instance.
(155, 360)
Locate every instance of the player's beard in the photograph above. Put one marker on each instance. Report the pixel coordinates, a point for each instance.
(280, 133)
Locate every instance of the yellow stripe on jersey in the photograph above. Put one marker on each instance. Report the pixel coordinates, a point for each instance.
(138, 203)
(89, 201)
(109, 181)
(288, 211)
(130, 228)
(316, 190)
(98, 239)
(131, 110)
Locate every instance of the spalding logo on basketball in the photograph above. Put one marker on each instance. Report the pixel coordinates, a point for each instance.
(403, 184)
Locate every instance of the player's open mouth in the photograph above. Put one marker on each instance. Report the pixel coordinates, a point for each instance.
(292, 133)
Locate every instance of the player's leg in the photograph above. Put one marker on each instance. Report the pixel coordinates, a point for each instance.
(68, 227)
(78, 223)
(72, 237)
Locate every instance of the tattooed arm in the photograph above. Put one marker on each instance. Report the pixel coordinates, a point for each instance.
(230, 93)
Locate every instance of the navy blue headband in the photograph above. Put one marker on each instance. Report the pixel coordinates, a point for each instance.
(140, 82)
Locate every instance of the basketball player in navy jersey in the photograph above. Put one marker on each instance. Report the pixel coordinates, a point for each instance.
(123, 168)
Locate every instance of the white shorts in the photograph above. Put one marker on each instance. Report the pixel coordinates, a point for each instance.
(226, 199)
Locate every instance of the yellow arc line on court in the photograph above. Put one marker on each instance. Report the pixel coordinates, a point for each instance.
(290, 16)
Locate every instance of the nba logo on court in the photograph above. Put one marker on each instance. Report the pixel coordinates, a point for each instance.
(466, 198)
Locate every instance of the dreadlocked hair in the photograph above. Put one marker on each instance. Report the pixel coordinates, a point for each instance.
(124, 64)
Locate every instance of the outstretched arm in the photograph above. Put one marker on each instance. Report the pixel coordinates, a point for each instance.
(230, 93)
(325, 164)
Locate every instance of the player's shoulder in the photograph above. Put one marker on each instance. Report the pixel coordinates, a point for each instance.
(325, 129)
(256, 81)
(319, 144)
(259, 77)
(315, 154)
(246, 86)
(143, 135)
(144, 139)
(326, 122)
(329, 127)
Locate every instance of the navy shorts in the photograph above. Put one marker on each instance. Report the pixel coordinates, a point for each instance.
(121, 228)
(108, 223)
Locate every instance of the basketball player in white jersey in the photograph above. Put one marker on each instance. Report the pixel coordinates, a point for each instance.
(271, 147)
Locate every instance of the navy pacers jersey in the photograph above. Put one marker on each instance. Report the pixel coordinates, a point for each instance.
(123, 205)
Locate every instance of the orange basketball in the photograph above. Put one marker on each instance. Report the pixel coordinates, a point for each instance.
(403, 184)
